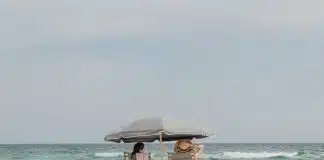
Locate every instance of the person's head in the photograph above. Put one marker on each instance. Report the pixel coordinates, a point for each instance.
(138, 147)
(183, 146)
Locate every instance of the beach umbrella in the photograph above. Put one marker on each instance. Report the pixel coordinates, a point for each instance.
(152, 129)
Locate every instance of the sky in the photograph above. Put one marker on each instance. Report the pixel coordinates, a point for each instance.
(72, 71)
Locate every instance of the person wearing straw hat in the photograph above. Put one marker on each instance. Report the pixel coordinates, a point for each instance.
(186, 146)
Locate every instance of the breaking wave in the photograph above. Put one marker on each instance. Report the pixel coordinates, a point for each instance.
(248, 155)
(230, 155)
(108, 155)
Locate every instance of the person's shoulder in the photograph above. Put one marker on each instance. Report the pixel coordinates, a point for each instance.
(196, 148)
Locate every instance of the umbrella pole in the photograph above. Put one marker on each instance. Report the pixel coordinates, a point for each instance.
(161, 146)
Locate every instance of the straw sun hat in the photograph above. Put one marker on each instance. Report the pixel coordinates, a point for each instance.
(183, 146)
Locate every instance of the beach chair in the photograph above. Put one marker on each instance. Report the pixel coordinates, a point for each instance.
(181, 156)
(127, 156)
(139, 156)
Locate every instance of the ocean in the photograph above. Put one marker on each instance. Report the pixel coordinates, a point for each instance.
(115, 151)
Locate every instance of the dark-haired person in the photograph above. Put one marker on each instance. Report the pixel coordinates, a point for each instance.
(138, 148)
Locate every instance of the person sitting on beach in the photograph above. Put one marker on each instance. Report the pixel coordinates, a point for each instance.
(138, 148)
(186, 146)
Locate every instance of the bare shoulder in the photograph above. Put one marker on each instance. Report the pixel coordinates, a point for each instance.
(196, 147)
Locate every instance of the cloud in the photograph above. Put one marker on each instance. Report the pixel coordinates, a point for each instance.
(290, 14)
(72, 69)
(37, 22)
(83, 20)
(41, 94)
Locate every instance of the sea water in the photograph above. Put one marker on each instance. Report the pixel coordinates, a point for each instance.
(115, 151)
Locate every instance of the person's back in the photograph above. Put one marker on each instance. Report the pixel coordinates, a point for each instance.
(142, 156)
(137, 153)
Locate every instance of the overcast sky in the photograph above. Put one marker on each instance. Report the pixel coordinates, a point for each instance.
(71, 71)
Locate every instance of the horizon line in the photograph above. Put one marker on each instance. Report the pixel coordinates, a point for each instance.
(110, 143)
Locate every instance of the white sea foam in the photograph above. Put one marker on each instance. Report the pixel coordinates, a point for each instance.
(228, 155)
(246, 155)
(108, 155)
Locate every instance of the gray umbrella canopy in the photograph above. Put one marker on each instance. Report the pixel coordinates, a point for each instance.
(150, 129)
